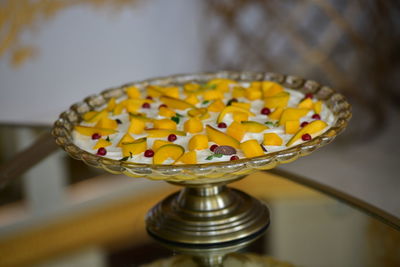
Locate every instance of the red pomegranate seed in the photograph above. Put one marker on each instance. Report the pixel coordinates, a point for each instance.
(172, 137)
(234, 158)
(309, 95)
(149, 153)
(96, 136)
(316, 117)
(149, 97)
(101, 151)
(146, 105)
(306, 137)
(213, 147)
(265, 111)
(222, 125)
(304, 123)
(162, 106)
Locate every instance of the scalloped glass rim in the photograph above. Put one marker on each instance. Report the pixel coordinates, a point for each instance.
(215, 171)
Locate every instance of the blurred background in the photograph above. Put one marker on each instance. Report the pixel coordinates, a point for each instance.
(54, 53)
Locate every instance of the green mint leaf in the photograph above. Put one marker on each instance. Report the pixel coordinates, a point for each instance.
(210, 157)
(218, 155)
(179, 115)
(205, 102)
(108, 139)
(124, 159)
(175, 119)
(269, 123)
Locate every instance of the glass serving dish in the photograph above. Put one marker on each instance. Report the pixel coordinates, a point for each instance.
(206, 218)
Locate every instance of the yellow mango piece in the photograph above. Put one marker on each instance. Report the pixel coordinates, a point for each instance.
(98, 116)
(102, 143)
(236, 130)
(88, 115)
(253, 93)
(107, 123)
(89, 131)
(175, 103)
(254, 127)
(238, 92)
(127, 138)
(136, 126)
(119, 108)
(216, 106)
(318, 107)
(199, 113)
(154, 133)
(213, 94)
(306, 103)
(292, 127)
(136, 147)
(140, 116)
(256, 85)
(279, 100)
(276, 114)
(292, 114)
(165, 124)
(132, 92)
(191, 87)
(159, 143)
(230, 109)
(239, 116)
(241, 105)
(270, 88)
(311, 128)
(171, 91)
(189, 157)
(221, 84)
(193, 125)
(166, 112)
(192, 99)
(198, 142)
(221, 138)
(167, 151)
(111, 104)
(272, 139)
(251, 148)
(132, 105)
(154, 91)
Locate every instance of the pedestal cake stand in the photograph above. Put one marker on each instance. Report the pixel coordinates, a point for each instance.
(206, 219)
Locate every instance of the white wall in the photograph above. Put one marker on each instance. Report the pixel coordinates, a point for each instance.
(83, 51)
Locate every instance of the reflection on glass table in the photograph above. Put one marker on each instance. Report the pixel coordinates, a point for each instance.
(72, 214)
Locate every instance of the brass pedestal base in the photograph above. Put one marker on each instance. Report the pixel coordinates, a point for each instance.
(207, 221)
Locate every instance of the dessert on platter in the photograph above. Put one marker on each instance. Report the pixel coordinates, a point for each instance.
(199, 122)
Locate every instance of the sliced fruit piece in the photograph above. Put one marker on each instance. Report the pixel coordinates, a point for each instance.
(98, 116)
(279, 100)
(159, 143)
(102, 143)
(213, 94)
(193, 125)
(198, 142)
(189, 157)
(132, 92)
(291, 114)
(107, 123)
(199, 113)
(162, 132)
(171, 91)
(136, 126)
(272, 139)
(236, 130)
(136, 147)
(241, 105)
(192, 99)
(88, 115)
(318, 107)
(256, 84)
(111, 104)
(154, 91)
(216, 106)
(175, 103)
(221, 84)
(127, 138)
(166, 112)
(239, 116)
(238, 91)
(221, 138)
(119, 108)
(254, 127)
(165, 124)
(306, 103)
(276, 114)
(253, 93)
(140, 116)
(292, 127)
(270, 88)
(89, 131)
(251, 148)
(168, 151)
(311, 128)
(230, 109)
(191, 87)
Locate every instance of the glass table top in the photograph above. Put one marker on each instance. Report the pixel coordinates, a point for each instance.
(62, 213)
